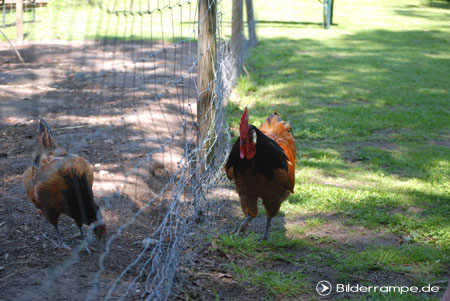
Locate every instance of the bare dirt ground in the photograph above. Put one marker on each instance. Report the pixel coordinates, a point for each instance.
(122, 117)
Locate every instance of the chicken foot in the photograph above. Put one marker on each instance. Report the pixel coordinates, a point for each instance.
(84, 239)
(61, 243)
(266, 230)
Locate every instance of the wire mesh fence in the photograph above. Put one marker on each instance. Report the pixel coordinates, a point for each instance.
(118, 83)
(8, 11)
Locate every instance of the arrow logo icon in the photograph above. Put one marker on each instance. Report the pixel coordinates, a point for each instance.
(323, 288)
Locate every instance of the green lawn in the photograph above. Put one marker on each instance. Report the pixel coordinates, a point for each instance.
(124, 20)
(369, 104)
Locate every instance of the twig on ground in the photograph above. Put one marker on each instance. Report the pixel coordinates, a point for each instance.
(46, 237)
(18, 209)
(444, 109)
(246, 71)
(441, 282)
(9, 276)
(17, 52)
(70, 127)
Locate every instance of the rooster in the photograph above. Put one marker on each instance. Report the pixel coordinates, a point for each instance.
(262, 165)
(59, 182)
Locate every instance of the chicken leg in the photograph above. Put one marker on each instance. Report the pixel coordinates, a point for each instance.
(266, 230)
(60, 241)
(243, 226)
(84, 238)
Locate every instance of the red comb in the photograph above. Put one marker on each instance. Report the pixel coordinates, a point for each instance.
(243, 127)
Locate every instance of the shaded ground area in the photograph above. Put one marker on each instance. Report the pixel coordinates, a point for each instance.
(241, 268)
(301, 251)
(125, 118)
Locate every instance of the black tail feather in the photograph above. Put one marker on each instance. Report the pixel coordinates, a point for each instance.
(78, 198)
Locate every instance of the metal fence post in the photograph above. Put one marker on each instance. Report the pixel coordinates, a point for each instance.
(4, 14)
(331, 12)
(327, 13)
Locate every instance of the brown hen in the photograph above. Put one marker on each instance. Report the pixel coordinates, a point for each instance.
(58, 183)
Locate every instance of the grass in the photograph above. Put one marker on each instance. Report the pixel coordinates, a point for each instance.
(426, 264)
(276, 249)
(249, 245)
(76, 20)
(369, 105)
(275, 283)
(244, 247)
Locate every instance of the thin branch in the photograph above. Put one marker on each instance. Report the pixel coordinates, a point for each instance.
(13, 47)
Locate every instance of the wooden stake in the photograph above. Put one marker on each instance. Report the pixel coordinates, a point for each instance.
(206, 69)
(19, 21)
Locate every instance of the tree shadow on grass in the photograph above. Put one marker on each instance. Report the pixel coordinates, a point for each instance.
(287, 24)
(438, 3)
(372, 102)
(379, 86)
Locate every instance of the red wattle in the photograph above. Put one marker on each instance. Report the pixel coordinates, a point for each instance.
(250, 151)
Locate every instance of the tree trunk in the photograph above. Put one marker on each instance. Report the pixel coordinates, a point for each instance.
(251, 23)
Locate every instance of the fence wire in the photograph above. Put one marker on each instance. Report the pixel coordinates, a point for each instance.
(123, 93)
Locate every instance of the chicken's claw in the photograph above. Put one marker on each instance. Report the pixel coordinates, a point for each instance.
(238, 232)
(263, 238)
(88, 249)
(63, 246)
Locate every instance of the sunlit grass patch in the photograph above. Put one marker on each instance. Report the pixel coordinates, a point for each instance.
(313, 222)
(244, 85)
(277, 284)
(421, 260)
(295, 230)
